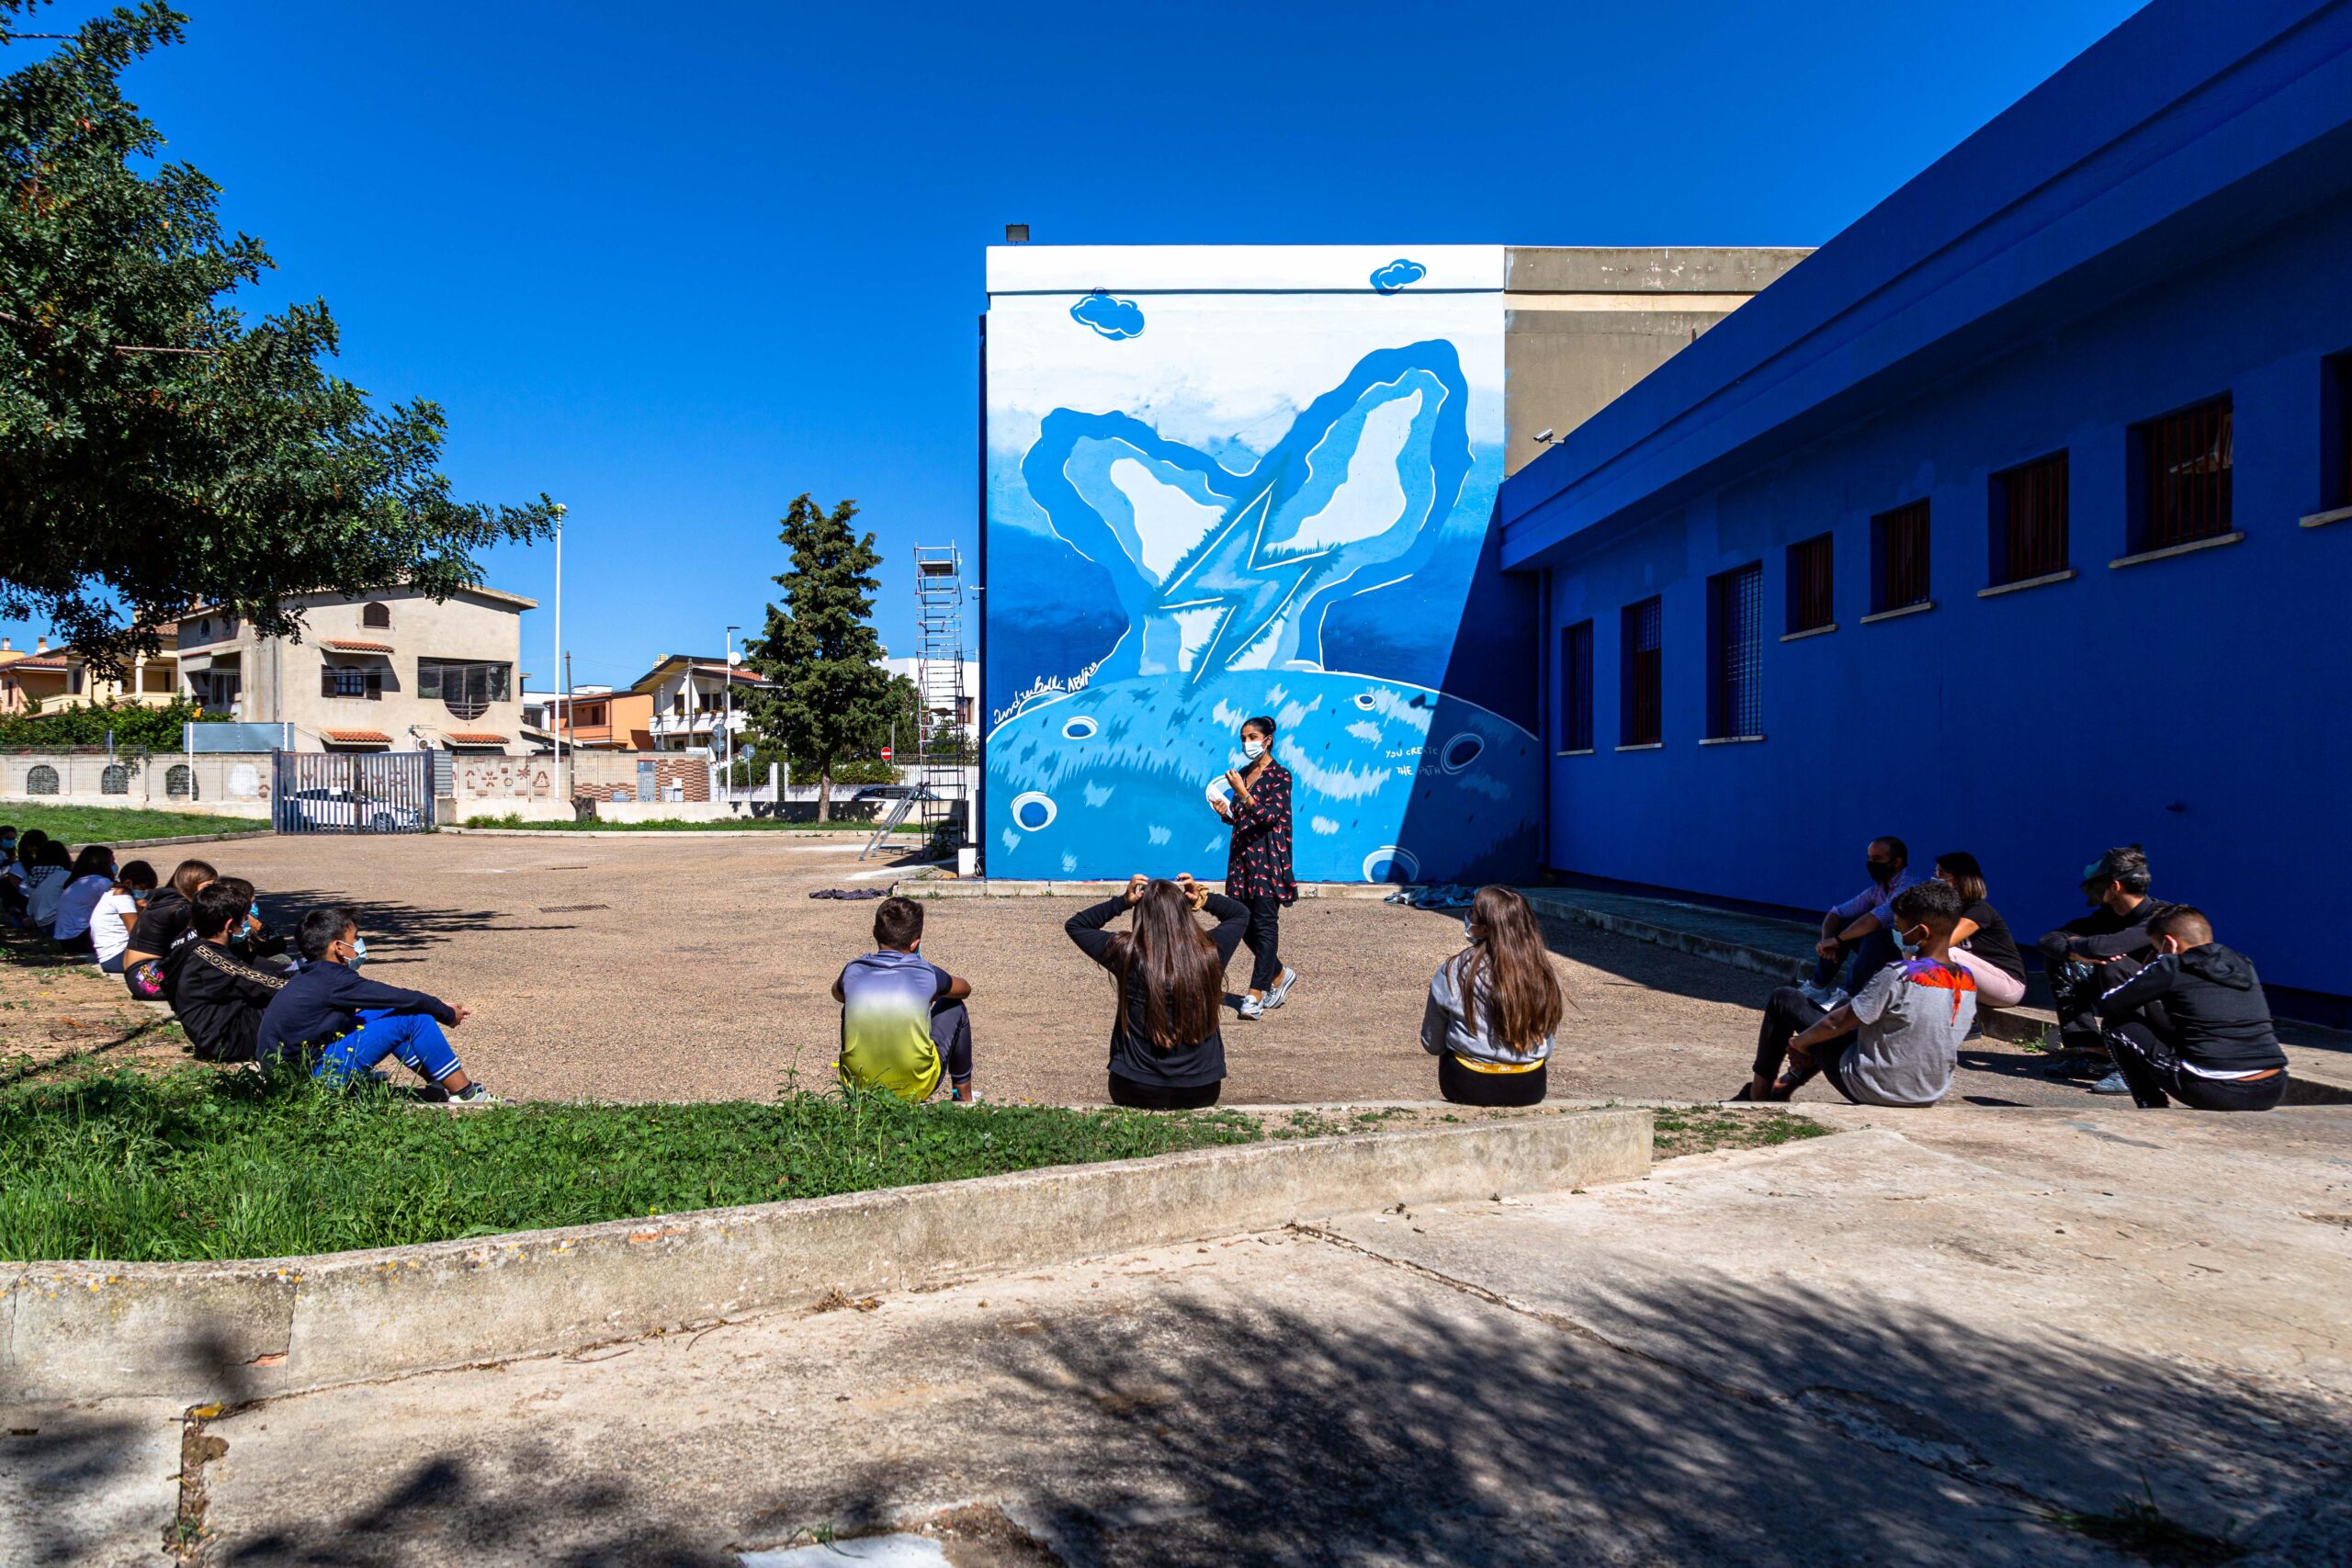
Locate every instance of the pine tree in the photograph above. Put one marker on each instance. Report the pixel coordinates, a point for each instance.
(820, 646)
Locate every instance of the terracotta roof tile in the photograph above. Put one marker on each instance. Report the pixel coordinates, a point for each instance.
(352, 645)
(358, 736)
(475, 737)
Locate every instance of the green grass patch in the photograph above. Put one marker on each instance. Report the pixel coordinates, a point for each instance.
(79, 825)
(200, 1165)
(2139, 1526)
(1697, 1130)
(724, 825)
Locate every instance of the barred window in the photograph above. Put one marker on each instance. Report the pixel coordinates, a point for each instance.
(1642, 708)
(2185, 465)
(1574, 676)
(40, 779)
(1812, 579)
(351, 680)
(114, 779)
(1735, 653)
(2028, 521)
(1899, 558)
(179, 781)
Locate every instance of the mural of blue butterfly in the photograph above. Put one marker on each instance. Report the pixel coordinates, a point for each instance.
(1323, 579)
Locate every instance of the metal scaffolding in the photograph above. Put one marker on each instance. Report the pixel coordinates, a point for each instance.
(943, 750)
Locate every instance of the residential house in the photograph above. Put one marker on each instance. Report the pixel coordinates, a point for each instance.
(595, 719)
(393, 670)
(690, 703)
(49, 681)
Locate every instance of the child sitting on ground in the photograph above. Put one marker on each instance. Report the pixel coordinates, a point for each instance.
(2194, 1025)
(220, 997)
(328, 1016)
(1906, 1024)
(903, 1016)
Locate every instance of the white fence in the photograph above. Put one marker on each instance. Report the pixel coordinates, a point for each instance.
(229, 784)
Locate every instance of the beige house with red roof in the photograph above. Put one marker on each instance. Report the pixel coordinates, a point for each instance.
(391, 672)
(48, 679)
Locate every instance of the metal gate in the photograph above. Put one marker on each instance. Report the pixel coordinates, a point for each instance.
(352, 791)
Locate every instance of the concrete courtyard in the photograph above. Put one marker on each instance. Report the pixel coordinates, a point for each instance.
(1959, 1337)
(699, 968)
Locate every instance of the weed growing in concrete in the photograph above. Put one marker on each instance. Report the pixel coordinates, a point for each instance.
(1679, 1130)
(2137, 1524)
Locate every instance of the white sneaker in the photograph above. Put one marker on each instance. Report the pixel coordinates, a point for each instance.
(1252, 1009)
(1281, 993)
(1834, 998)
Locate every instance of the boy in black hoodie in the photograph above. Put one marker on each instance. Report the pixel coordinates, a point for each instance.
(2194, 1024)
(217, 993)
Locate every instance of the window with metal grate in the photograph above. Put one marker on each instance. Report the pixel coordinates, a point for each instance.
(1899, 558)
(1642, 708)
(1575, 687)
(1812, 578)
(2029, 521)
(2335, 436)
(1735, 653)
(2184, 477)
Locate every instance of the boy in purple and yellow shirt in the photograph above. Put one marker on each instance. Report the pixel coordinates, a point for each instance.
(903, 1022)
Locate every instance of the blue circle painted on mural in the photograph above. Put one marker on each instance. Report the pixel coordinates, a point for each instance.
(1080, 729)
(1460, 752)
(1033, 811)
(1392, 863)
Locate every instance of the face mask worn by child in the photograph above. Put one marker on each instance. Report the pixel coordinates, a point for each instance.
(1253, 750)
(358, 951)
(1902, 942)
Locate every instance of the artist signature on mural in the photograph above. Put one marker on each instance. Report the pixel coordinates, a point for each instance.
(1043, 687)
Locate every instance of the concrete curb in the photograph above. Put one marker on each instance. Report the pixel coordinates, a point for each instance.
(787, 833)
(186, 838)
(230, 1331)
(1004, 887)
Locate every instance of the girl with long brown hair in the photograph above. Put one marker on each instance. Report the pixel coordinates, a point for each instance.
(1494, 1007)
(1167, 1052)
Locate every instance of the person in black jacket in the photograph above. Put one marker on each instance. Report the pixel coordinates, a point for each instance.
(342, 1025)
(2090, 956)
(218, 994)
(1167, 1052)
(2194, 1024)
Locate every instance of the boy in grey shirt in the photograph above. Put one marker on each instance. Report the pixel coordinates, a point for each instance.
(1898, 1042)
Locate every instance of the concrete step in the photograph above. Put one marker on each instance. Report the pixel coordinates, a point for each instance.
(2319, 1059)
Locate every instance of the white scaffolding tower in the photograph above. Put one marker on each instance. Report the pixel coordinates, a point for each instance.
(944, 745)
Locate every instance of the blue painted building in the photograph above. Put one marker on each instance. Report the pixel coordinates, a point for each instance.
(2017, 519)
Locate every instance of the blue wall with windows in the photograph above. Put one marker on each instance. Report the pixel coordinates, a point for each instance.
(2139, 236)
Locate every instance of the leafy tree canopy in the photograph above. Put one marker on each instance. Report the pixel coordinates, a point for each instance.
(157, 449)
(819, 647)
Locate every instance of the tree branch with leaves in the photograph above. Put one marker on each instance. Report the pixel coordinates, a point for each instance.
(156, 450)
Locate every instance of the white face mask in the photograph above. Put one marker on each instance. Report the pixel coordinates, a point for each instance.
(1253, 750)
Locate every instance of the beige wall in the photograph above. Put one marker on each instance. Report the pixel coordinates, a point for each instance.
(232, 783)
(280, 679)
(1585, 324)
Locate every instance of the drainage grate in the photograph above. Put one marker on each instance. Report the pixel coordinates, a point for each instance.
(570, 909)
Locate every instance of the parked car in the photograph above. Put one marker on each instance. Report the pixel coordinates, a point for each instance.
(890, 792)
(336, 806)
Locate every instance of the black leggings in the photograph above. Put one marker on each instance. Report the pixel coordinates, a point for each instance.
(951, 1032)
(1467, 1085)
(1163, 1096)
(2157, 1076)
(1264, 933)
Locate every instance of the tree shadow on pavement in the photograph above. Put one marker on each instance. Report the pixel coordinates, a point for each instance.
(395, 930)
(1407, 1421)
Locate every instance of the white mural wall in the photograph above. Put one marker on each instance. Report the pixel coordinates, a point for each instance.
(1226, 482)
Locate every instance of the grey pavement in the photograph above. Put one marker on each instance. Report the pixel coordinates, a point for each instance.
(1910, 1343)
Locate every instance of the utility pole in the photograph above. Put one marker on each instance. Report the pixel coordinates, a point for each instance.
(569, 714)
(559, 671)
(729, 718)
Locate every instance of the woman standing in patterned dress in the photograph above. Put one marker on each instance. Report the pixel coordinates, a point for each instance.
(1257, 866)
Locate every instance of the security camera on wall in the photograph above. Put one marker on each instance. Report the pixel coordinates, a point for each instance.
(1543, 436)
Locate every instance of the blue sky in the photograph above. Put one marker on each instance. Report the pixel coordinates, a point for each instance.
(674, 266)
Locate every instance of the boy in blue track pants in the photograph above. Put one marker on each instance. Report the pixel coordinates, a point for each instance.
(344, 1025)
